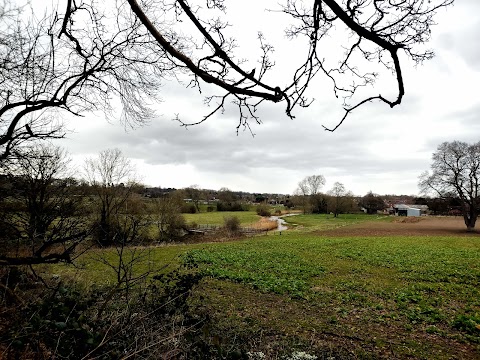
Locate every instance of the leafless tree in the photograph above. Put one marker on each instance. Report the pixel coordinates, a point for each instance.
(43, 215)
(77, 63)
(167, 216)
(338, 193)
(311, 185)
(308, 188)
(88, 56)
(378, 32)
(112, 178)
(195, 194)
(455, 170)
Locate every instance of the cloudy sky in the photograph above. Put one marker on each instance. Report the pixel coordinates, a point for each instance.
(377, 148)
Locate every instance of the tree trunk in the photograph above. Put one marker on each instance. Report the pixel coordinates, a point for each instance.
(104, 228)
(470, 218)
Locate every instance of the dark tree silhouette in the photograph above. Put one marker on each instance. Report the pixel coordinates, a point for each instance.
(43, 216)
(456, 170)
(87, 56)
(372, 203)
(309, 190)
(76, 64)
(112, 178)
(341, 199)
(379, 31)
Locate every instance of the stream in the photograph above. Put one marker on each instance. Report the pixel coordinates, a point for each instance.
(281, 223)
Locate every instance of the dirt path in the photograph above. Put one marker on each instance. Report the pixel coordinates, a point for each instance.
(424, 226)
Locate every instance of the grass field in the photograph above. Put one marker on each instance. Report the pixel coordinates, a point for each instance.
(324, 222)
(350, 296)
(217, 217)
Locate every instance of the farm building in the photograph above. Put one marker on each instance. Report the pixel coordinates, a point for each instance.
(413, 212)
(410, 210)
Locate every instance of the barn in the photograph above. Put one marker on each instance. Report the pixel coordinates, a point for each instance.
(410, 210)
(413, 212)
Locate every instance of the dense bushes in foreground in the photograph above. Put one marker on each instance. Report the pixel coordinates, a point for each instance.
(67, 322)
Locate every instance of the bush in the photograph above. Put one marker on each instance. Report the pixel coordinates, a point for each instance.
(210, 208)
(172, 227)
(223, 206)
(263, 210)
(188, 208)
(232, 223)
(75, 323)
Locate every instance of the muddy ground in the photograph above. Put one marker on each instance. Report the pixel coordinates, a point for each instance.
(406, 226)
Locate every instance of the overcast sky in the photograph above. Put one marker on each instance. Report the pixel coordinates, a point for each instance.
(377, 148)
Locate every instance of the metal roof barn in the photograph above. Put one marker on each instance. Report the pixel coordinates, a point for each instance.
(413, 212)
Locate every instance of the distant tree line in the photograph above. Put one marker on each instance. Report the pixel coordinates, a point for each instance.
(310, 199)
(46, 215)
(51, 212)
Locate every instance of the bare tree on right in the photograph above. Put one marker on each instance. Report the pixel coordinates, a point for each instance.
(455, 171)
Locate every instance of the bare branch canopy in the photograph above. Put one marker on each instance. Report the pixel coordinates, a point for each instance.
(87, 56)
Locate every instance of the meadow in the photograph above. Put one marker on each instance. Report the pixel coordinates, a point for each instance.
(405, 295)
(218, 218)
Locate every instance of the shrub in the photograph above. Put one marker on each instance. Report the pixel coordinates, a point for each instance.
(188, 208)
(263, 210)
(72, 322)
(172, 227)
(232, 223)
(224, 206)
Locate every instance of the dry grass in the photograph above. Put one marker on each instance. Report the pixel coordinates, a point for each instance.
(265, 224)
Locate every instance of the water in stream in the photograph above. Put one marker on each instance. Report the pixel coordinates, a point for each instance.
(281, 223)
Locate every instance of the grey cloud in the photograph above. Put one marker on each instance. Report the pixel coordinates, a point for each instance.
(466, 44)
(463, 39)
(358, 150)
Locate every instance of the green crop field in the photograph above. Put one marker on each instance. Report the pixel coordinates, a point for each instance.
(344, 297)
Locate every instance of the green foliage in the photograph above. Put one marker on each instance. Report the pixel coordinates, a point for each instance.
(70, 323)
(267, 270)
(170, 290)
(389, 291)
(64, 314)
(470, 324)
